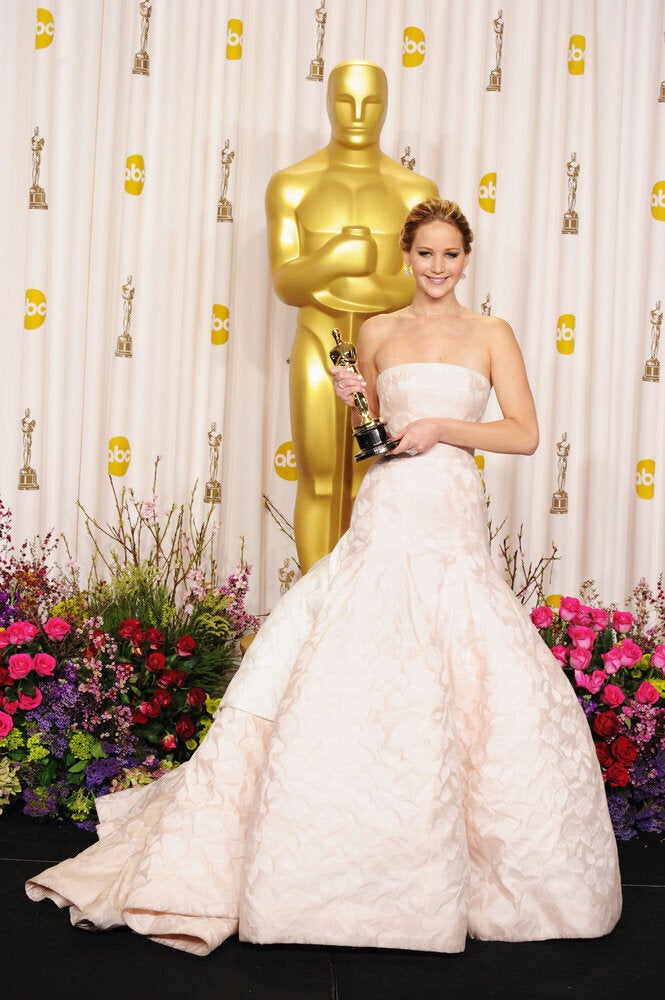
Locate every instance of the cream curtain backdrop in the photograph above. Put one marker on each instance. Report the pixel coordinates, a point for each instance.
(66, 69)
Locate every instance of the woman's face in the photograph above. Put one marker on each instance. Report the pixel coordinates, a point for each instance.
(437, 258)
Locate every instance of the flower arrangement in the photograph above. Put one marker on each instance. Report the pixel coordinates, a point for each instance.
(117, 683)
(615, 661)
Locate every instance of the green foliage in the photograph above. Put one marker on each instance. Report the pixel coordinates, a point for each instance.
(134, 592)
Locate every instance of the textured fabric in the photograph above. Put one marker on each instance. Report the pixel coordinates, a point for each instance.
(399, 761)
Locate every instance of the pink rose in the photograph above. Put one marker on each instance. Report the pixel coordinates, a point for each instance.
(57, 628)
(658, 658)
(561, 653)
(612, 660)
(630, 653)
(11, 706)
(568, 608)
(4, 638)
(28, 701)
(582, 636)
(612, 695)
(592, 683)
(20, 632)
(6, 724)
(647, 694)
(542, 616)
(622, 621)
(583, 616)
(579, 658)
(20, 665)
(43, 664)
(599, 618)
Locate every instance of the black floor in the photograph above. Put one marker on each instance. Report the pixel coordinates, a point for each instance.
(42, 957)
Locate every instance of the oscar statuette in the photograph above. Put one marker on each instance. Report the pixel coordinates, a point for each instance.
(371, 433)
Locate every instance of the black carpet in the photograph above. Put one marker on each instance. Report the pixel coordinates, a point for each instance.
(44, 958)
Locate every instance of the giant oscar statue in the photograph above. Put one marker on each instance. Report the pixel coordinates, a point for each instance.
(333, 224)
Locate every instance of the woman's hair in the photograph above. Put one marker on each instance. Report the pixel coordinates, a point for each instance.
(435, 210)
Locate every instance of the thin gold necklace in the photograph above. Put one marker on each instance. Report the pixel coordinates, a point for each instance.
(438, 315)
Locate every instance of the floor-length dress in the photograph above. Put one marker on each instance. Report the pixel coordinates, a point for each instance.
(399, 761)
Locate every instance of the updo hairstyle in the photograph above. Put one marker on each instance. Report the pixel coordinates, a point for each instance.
(435, 210)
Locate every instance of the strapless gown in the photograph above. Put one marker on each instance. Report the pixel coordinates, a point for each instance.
(399, 761)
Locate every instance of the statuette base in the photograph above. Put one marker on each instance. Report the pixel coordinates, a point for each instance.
(141, 64)
(213, 492)
(571, 224)
(495, 80)
(373, 440)
(37, 198)
(123, 347)
(315, 70)
(559, 502)
(224, 210)
(651, 370)
(661, 99)
(27, 479)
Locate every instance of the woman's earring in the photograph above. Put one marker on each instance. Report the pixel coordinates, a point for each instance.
(407, 270)
(463, 275)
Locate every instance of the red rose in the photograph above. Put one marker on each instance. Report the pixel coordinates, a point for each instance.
(155, 662)
(624, 750)
(185, 645)
(162, 698)
(172, 678)
(606, 724)
(4, 674)
(605, 758)
(139, 718)
(169, 742)
(149, 709)
(185, 728)
(617, 775)
(155, 637)
(196, 696)
(127, 628)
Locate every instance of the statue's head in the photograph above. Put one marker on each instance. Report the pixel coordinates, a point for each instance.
(357, 101)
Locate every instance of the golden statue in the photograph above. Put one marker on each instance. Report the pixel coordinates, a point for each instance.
(333, 225)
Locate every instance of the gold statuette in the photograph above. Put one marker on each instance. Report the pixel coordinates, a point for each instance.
(27, 477)
(571, 220)
(123, 347)
(560, 498)
(37, 193)
(213, 486)
(141, 59)
(495, 74)
(316, 64)
(224, 206)
(371, 433)
(652, 366)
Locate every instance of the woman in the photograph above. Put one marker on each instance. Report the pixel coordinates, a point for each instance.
(400, 761)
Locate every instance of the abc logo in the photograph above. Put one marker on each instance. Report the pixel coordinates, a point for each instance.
(234, 38)
(565, 334)
(134, 174)
(645, 478)
(576, 47)
(44, 28)
(285, 461)
(487, 192)
(120, 455)
(219, 331)
(658, 201)
(413, 47)
(35, 308)
(480, 462)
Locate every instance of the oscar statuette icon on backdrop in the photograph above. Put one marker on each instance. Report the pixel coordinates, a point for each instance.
(141, 58)
(334, 221)
(123, 348)
(652, 366)
(27, 477)
(37, 193)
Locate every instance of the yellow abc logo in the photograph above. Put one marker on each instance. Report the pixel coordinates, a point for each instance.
(134, 174)
(219, 331)
(44, 28)
(565, 334)
(487, 192)
(554, 601)
(480, 462)
(285, 461)
(576, 47)
(645, 478)
(120, 455)
(413, 46)
(35, 308)
(234, 38)
(658, 201)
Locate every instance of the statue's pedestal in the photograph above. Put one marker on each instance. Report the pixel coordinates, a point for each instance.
(141, 64)
(27, 479)
(315, 70)
(571, 224)
(559, 502)
(224, 210)
(652, 371)
(37, 197)
(495, 80)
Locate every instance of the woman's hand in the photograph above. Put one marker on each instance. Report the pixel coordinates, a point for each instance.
(418, 436)
(346, 382)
